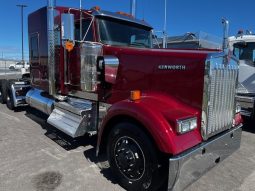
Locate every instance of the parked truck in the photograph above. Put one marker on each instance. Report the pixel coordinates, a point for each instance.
(160, 115)
(243, 47)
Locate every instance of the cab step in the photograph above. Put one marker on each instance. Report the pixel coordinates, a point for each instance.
(74, 117)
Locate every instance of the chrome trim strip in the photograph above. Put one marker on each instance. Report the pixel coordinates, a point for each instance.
(245, 102)
(84, 95)
(187, 167)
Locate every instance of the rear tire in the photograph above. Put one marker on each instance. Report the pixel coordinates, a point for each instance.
(3, 91)
(134, 159)
(9, 98)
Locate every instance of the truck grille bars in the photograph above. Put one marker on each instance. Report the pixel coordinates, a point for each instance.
(219, 95)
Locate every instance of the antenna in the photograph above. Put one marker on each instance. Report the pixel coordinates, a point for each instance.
(80, 21)
(164, 30)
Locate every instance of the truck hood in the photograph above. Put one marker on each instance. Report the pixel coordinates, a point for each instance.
(178, 73)
(246, 77)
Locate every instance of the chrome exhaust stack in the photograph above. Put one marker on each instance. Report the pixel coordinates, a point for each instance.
(51, 47)
(225, 34)
(133, 8)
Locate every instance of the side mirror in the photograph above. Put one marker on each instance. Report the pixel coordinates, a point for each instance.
(67, 27)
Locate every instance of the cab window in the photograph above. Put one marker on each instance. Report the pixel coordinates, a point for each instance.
(85, 26)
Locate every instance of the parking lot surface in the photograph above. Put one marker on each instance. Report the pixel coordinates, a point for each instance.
(36, 156)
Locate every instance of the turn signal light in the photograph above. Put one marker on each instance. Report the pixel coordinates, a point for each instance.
(135, 95)
(69, 46)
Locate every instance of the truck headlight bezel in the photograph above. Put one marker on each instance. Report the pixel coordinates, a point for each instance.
(186, 125)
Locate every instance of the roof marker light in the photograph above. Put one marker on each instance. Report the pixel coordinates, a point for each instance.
(96, 8)
(125, 14)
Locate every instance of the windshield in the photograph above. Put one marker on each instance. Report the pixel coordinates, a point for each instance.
(245, 51)
(122, 33)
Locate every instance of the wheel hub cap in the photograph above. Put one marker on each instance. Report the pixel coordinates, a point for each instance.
(129, 158)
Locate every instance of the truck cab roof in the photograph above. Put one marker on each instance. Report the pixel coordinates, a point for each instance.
(247, 38)
(121, 16)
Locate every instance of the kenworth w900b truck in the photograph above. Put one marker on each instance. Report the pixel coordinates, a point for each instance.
(158, 114)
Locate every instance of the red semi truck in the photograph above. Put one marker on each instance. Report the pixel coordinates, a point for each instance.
(158, 114)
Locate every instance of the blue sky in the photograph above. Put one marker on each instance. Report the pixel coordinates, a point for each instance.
(182, 16)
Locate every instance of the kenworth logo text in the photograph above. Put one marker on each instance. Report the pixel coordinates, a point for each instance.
(172, 67)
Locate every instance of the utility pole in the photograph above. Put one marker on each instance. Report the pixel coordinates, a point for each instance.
(164, 30)
(22, 32)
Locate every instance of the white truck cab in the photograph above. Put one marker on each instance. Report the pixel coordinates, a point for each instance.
(243, 47)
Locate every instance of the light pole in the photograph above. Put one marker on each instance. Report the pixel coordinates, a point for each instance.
(22, 7)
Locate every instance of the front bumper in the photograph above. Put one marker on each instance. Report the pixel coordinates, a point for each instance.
(246, 103)
(187, 167)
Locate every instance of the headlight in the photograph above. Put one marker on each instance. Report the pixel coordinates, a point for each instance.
(186, 125)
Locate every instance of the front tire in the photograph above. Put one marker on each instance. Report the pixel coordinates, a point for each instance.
(134, 159)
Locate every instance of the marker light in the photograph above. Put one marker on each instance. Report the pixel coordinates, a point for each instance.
(96, 8)
(125, 14)
(135, 95)
(69, 46)
(186, 125)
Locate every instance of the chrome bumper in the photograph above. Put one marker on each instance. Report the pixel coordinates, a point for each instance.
(187, 167)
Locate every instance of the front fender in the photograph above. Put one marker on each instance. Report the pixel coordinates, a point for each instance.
(158, 114)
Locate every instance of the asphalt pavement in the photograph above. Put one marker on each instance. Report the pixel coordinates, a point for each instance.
(9, 74)
(36, 156)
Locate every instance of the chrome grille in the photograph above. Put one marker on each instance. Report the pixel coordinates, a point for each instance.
(219, 95)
